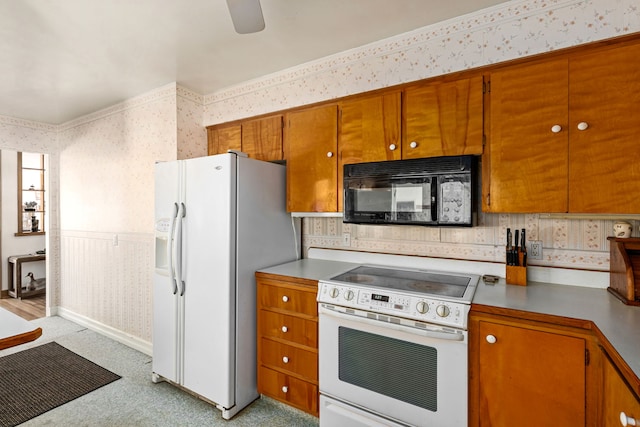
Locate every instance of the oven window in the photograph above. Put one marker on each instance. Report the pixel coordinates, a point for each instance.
(398, 369)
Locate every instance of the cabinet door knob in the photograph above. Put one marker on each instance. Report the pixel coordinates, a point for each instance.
(556, 128)
(413, 144)
(285, 298)
(285, 389)
(491, 339)
(626, 420)
(285, 329)
(329, 154)
(392, 147)
(583, 125)
(285, 359)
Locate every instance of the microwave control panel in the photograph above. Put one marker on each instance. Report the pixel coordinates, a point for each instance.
(454, 206)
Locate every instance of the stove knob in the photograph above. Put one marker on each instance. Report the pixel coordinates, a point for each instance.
(334, 292)
(422, 307)
(442, 310)
(348, 295)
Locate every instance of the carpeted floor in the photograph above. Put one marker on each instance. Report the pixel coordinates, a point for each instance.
(134, 400)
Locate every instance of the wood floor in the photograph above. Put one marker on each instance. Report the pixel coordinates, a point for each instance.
(27, 308)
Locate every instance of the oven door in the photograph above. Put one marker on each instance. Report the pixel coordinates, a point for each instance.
(415, 376)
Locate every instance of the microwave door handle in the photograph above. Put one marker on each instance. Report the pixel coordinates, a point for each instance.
(434, 199)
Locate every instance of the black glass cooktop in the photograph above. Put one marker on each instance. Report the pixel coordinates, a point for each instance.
(424, 282)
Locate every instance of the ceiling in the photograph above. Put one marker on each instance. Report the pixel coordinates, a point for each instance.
(61, 59)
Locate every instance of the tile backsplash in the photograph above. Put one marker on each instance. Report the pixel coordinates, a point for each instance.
(567, 243)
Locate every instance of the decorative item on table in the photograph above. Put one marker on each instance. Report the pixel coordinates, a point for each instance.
(516, 259)
(622, 229)
(35, 283)
(31, 207)
(34, 224)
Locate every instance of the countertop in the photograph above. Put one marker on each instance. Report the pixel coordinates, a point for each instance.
(618, 323)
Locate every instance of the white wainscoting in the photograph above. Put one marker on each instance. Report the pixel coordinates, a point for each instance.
(106, 284)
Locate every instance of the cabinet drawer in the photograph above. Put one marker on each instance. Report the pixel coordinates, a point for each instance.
(290, 328)
(292, 359)
(298, 393)
(288, 299)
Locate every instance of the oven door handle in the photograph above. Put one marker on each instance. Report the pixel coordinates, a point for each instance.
(430, 333)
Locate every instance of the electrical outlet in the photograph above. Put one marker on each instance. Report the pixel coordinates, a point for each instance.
(535, 249)
(346, 239)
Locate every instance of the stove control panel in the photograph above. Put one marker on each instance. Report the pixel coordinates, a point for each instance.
(423, 309)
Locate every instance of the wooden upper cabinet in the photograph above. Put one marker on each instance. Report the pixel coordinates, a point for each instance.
(564, 134)
(528, 161)
(368, 131)
(604, 94)
(311, 144)
(443, 119)
(262, 138)
(221, 139)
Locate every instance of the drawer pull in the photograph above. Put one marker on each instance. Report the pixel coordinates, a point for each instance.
(285, 329)
(626, 420)
(285, 298)
(491, 339)
(285, 389)
(285, 359)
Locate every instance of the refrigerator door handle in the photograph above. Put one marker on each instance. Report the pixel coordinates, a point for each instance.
(182, 211)
(173, 248)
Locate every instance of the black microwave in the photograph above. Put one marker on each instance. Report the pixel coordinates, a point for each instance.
(438, 191)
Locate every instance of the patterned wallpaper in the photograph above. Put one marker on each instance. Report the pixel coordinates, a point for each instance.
(507, 31)
(192, 136)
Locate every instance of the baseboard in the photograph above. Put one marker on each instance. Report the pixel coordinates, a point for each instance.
(4, 294)
(115, 334)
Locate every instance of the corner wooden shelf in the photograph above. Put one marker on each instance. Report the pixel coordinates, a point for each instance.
(624, 280)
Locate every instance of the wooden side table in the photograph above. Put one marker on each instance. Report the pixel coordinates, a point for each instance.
(15, 275)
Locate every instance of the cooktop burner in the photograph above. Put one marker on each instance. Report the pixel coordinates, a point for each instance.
(416, 281)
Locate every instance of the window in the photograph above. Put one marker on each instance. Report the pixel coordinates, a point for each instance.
(31, 208)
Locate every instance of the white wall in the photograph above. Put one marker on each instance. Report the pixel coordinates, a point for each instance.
(24, 135)
(10, 244)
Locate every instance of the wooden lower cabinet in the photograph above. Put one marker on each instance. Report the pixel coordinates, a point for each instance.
(531, 374)
(618, 398)
(288, 389)
(288, 340)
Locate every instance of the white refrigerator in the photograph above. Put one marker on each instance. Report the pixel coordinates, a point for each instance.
(218, 219)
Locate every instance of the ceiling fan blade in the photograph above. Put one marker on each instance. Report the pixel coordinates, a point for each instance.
(246, 16)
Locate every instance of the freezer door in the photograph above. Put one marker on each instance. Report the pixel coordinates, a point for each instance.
(208, 274)
(165, 299)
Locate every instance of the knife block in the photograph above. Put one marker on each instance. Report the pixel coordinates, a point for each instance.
(516, 275)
